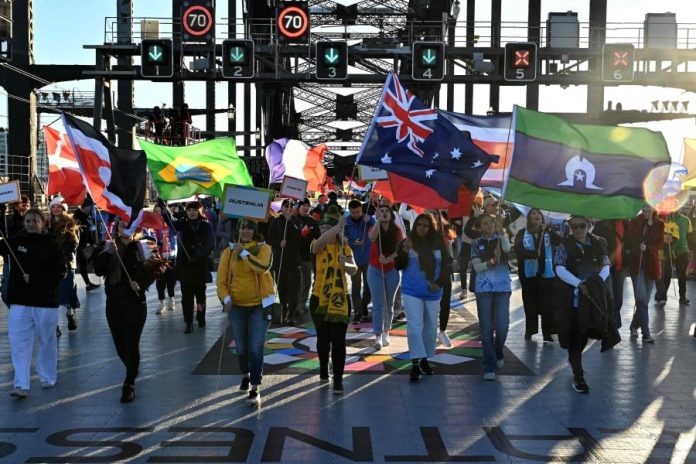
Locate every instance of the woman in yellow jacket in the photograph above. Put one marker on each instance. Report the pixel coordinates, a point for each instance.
(246, 289)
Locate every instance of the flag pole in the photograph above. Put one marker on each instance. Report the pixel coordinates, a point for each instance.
(24, 273)
(110, 237)
(170, 224)
(507, 148)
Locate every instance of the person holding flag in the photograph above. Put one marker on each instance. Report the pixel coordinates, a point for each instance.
(166, 280)
(284, 237)
(329, 305)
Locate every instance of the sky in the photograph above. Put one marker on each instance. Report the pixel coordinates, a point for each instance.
(62, 27)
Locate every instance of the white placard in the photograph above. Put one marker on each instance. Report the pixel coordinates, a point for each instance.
(9, 192)
(294, 188)
(370, 173)
(246, 202)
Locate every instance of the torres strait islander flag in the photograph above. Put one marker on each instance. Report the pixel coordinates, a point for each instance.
(64, 174)
(115, 177)
(589, 170)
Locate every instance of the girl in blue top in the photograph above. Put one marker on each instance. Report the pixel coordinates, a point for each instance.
(422, 257)
(489, 260)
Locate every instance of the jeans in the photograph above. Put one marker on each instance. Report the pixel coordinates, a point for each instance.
(126, 320)
(24, 324)
(421, 326)
(306, 284)
(66, 287)
(493, 310)
(576, 345)
(617, 285)
(249, 327)
(642, 288)
(383, 288)
(360, 291)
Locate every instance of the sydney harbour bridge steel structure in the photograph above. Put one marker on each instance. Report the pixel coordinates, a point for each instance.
(379, 34)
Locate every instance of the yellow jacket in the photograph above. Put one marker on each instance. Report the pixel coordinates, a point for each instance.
(246, 280)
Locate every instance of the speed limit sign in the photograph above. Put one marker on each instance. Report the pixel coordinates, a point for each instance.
(293, 21)
(198, 21)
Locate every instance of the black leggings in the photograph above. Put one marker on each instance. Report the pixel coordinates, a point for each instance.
(126, 318)
(445, 303)
(331, 337)
(577, 344)
(464, 258)
(288, 283)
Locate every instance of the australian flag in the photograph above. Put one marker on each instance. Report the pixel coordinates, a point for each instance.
(408, 138)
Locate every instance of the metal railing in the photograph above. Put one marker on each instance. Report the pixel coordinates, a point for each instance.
(265, 32)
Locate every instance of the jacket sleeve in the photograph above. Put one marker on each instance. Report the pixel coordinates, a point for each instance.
(223, 288)
(101, 262)
(401, 259)
(275, 233)
(261, 263)
(208, 241)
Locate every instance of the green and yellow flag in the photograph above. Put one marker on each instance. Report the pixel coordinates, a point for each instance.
(179, 172)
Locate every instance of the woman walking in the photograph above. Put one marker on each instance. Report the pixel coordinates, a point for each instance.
(36, 268)
(424, 260)
(443, 229)
(382, 277)
(534, 247)
(166, 245)
(66, 231)
(489, 259)
(246, 289)
(127, 275)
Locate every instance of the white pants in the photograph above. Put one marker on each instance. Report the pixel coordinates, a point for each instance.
(421, 325)
(25, 323)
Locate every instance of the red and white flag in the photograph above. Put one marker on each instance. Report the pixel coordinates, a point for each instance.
(115, 177)
(64, 175)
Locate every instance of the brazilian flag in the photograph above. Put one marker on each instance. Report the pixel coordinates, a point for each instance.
(180, 172)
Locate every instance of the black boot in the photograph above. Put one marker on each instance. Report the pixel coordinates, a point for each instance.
(189, 328)
(416, 372)
(127, 393)
(425, 367)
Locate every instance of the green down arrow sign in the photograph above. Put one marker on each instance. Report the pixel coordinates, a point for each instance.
(429, 56)
(155, 53)
(237, 55)
(331, 56)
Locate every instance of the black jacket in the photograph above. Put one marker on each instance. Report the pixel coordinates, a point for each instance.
(134, 264)
(198, 240)
(291, 253)
(41, 257)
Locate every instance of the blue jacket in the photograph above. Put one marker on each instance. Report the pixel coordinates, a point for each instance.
(413, 281)
(357, 230)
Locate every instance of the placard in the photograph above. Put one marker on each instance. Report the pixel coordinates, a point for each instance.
(9, 192)
(370, 173)
(246, 202)
(294, 188)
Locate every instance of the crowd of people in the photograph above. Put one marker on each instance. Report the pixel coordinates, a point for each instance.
(341, 261)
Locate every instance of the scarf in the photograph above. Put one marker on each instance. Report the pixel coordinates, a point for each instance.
(333, 302)
(531, 266)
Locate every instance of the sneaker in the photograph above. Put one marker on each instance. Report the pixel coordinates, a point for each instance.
(244, 386)
(684, 301)
(47, 385)
(324, 379)
(378, 342)
(254, 398)
(72, 321)
(171, 304)
(580, 386)
(444, 339)
(58, 332)
(160, 308)
(425, 367)
(489, 376)
(92, 286)
(19, 393)
(463, 295)
(386, 341)
(662, 303)
(548, 339)
(189, 328)
(648, 339)
(634, 333)
(338, 387)
(500, 363)
(416, 373)
(356, 319)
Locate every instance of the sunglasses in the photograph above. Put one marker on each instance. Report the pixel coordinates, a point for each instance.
(578, 226)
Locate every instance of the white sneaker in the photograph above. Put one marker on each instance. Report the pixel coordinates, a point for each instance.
(386, 341)
(489, 376)
(160, 308)
(254, 398)
(171, 303)
(444, 339)
(378, 342)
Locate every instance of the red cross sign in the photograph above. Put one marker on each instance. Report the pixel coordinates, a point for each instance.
(521, 58)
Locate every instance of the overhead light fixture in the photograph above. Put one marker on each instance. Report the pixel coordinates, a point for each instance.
(654, 105)
(66, 95)
(685, 106)
(56, 97)
(665, 106)
(231, 111)
(674, 106)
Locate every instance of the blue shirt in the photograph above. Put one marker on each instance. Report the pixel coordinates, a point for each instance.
(494, 279)
(414, 282)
